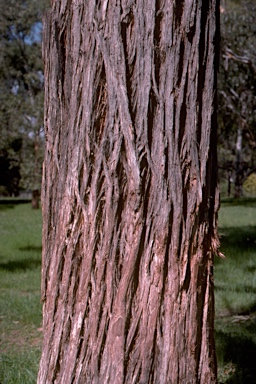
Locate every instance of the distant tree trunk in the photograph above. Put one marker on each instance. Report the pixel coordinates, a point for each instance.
(35, 199)
(129, 192)
(238, 165)
(229, 182)
(36, 175)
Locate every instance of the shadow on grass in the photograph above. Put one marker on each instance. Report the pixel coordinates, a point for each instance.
(251, 269)
(243, 238)
(4, 207)
(236, 345)
(239, 289)
(33, 248)
(21, 265)
(13, 201)
(241, 351)
(244, 201)
(10, 203)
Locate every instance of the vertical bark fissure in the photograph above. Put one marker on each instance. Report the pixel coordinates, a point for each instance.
(129, 206)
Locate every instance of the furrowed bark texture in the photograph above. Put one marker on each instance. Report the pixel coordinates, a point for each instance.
(130, 196)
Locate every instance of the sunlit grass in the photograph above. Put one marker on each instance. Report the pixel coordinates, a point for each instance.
(20, 307)
(19, 367)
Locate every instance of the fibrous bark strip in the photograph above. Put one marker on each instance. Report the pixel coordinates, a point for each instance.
(130, 196)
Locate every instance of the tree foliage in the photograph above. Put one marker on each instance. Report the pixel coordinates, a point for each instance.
(21, 93)
(237, 89)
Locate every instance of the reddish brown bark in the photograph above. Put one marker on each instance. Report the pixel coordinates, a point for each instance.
(129, 192)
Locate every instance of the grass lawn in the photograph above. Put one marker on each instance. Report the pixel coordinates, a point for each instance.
(20, 308)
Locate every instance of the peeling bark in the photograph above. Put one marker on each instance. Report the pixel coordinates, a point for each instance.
(130, 192)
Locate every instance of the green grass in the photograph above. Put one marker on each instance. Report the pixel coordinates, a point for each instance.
(20, 307)
(235, 293)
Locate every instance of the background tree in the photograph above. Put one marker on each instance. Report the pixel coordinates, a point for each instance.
(237, 91)
(129, 193)
(21, 94)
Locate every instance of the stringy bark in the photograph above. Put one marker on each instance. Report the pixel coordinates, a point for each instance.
(129, 192)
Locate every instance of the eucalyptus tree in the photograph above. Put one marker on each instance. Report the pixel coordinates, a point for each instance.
(130, 192)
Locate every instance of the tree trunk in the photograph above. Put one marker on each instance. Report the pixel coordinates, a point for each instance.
(129, 192)
(36, 173)
(238, 165)
(35, 199)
